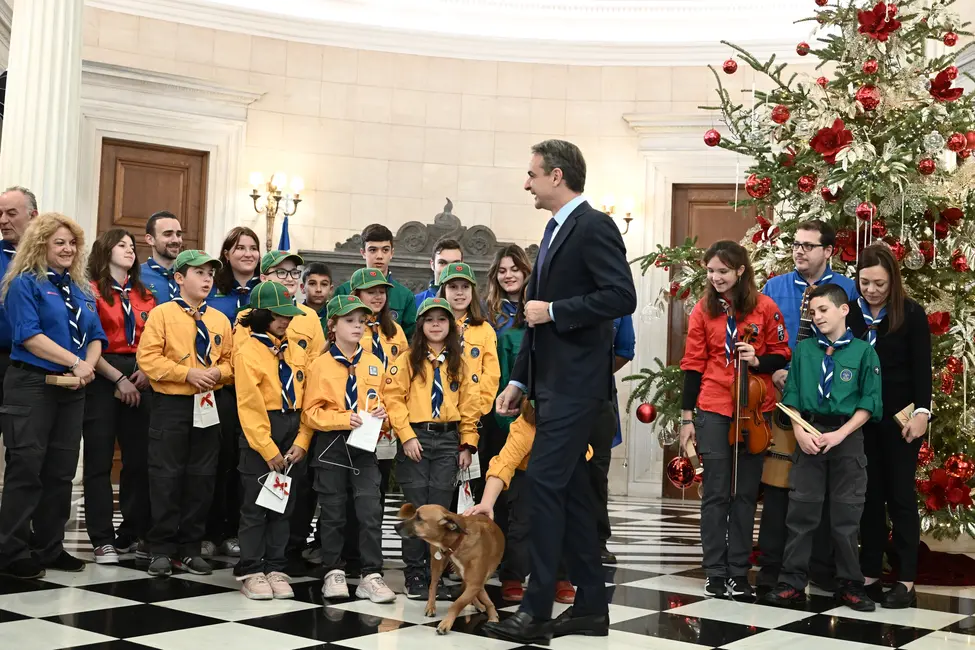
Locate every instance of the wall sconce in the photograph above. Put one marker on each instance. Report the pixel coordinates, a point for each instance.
(273, 197)
(609, 207)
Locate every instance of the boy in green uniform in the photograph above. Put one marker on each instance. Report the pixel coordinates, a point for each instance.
(377, 251)
(835, 384)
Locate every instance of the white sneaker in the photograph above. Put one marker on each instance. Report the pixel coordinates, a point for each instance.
(375, 589)
(106, 555)
(256, 587)
(207, 549)
(335, 585)
(280, 586)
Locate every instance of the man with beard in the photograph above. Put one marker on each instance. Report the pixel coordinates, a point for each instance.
(165, 236)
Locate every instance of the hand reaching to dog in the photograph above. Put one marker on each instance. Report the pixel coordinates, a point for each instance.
(480, 509)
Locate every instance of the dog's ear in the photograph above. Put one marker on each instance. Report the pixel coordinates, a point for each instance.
(406, 511)
(453, 523)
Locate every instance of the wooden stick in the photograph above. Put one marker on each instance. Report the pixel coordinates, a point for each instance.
(795, 417)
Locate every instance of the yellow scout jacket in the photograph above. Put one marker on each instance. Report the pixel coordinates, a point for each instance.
(167, 349)
(323, 407)
(481, 354)
(516, 452)
(393, 346)
(306, 339)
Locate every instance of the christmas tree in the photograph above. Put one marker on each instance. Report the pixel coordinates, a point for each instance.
(879, 145)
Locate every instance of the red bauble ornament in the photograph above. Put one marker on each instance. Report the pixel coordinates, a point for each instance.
(925, 454)
(730, 66)
(821, 3)
(954, 365)
(868, 96)
(807, 183)
(680, 472)
(926, 249)
(712, 138)
(828, 196)
(646, 413)
(898, 249)
(758, 188)
(926, 166)
(870, 66)
(866, 211)
(960, 263)
(941, 230)
(956, 142)
(960, 466)
(950, 39)
(780, 114)
(939, 322)
(947, 384)
(879, 229)
(970, 139)
(951, 72)
(822, 81)
(802, 49)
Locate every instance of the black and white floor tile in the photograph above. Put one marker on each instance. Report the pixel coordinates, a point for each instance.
(656, 594)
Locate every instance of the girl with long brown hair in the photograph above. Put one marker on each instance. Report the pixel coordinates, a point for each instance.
(240, 255)
(712, 351)
(116, 403)
(507, 280)
(898, 329)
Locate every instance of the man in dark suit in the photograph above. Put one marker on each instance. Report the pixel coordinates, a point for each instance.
(581, 282)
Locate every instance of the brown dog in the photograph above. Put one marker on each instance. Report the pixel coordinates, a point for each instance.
(474, 545)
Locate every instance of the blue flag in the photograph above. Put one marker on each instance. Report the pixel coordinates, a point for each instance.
(285, 243)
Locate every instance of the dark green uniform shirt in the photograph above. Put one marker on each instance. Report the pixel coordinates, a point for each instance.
(401, 303)
(509, 343)
(856, 380)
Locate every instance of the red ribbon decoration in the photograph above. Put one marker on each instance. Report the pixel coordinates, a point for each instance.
(281, 485)
(207, 399)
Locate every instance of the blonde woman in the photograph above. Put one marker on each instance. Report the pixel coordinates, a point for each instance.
(56, 332)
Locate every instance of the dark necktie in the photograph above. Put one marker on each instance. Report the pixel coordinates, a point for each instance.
(872, 323)
(546, 242)
(826, 373)
(730, 332)
(129, 316)
(377, 345)
(285, 374)
(436, 393)
(202, 333)
(351, 385)
(63, 283)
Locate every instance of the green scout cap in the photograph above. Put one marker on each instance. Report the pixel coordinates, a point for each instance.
(458, 271)
(276, 298)
(273, 258)
(342, 305)
(195, 258)
(368, 278)
(433, 303)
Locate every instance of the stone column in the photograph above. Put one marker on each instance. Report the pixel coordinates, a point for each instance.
(42, 115)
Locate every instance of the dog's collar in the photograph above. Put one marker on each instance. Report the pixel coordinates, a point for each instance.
(460, 540)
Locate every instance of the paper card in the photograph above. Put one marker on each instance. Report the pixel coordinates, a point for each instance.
(366, 435)
(472, 472)
(275, 491)
(205, 410)
(465, 498)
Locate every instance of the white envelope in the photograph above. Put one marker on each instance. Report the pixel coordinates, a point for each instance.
(465, 498)
(472, 472)
(205, 410)
(276, 488)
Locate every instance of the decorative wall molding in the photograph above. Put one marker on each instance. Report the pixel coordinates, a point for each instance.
(142, 106)
(675, 153)
(610, 32)
(6, 23)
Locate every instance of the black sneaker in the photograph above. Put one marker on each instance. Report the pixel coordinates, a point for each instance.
(26, 569)
(160, 567)
(449, 592)
(416, 588)
(195, 565)
(715, 587)
(875, 591)
(785, 596)
(142, 552)
(900, 597)
(67, 562)
(125, 544)
(853, 595)
(739, 588)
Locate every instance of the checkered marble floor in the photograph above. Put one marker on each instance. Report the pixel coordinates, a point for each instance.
(656, 593)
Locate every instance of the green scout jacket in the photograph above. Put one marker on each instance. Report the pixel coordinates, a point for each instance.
(509, 343)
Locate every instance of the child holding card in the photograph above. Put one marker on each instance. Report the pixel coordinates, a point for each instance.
(269, 395)
(344, 384)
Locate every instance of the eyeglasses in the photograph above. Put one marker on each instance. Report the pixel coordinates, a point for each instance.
(282, 274)
(806, 246)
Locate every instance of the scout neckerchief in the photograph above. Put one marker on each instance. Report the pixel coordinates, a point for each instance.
(202, 333)
(127, 313)
(730, 331)
(872, 323)
(436, 394)
(285, 374)
(8, 250)
(243, 293)
(509, 310)
(802, 284)
(377, 345)
(166, 273)
(63, 283)
(351, 386)
(826, 374)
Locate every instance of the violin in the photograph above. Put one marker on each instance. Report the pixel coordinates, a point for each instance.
(748, 423)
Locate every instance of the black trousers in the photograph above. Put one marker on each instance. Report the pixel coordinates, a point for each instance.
(303, 512)
(263, 532)
(891, 492)
(844, 470)
(773, 534)
(350, 548)
(223, 519)
(564, 508)
(42, 433)
(182, 469)
(516, 564)
(107, 419)
(602, 453)
(4, 364)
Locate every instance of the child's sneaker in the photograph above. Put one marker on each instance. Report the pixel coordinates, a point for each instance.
(280, 585)
(715, 587)
(160, 567)
(230, 547)
(785, 596)
(375, 589)
(855, 597)
(739, 588)
(207, 549)
(417, 588)
(106, 555)
(195, 565)
(335, 585)
(142, 552)
(256, 587)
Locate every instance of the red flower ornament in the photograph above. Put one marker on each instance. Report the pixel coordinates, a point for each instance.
(831, 141)
(878, 23)
(941, 88)
(939, 322)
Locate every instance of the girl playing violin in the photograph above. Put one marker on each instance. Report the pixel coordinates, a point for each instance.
(714, 352)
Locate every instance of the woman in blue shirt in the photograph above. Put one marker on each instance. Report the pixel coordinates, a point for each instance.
(240, 255)
(56, 332)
